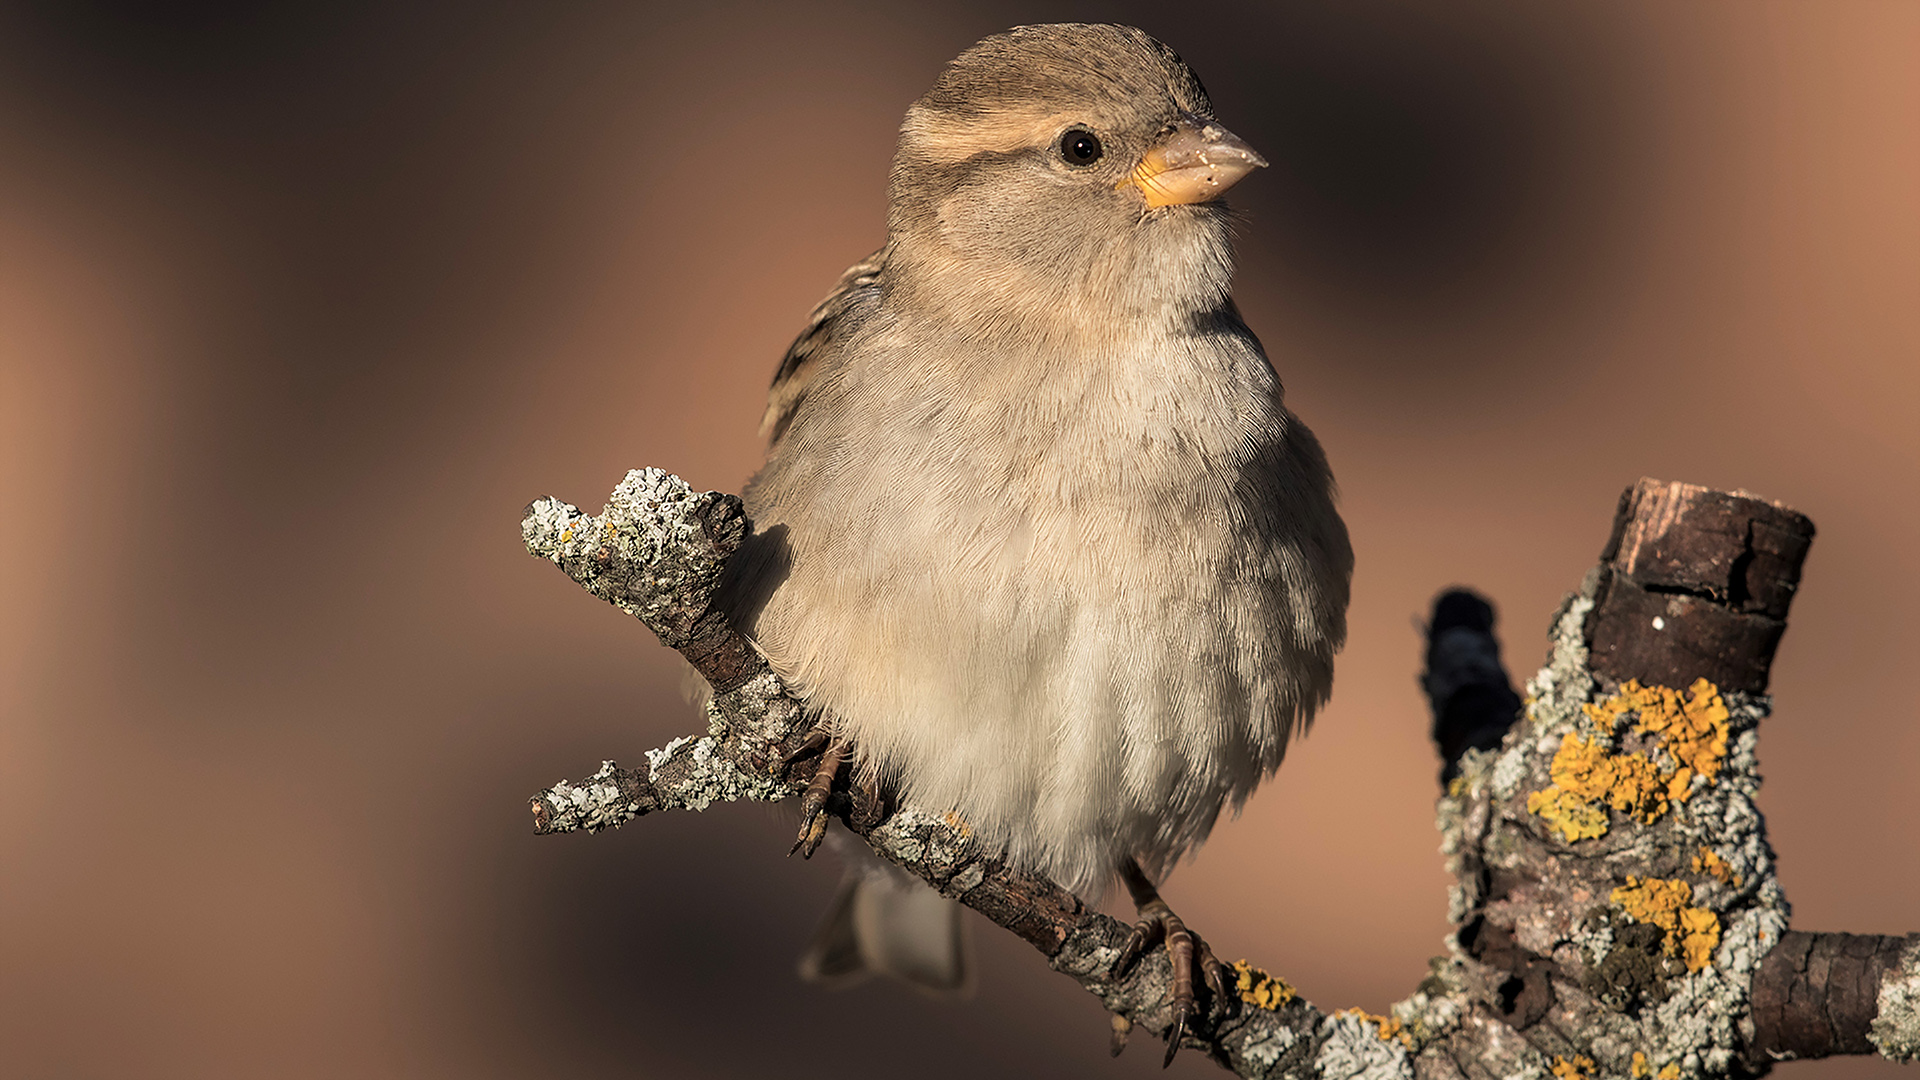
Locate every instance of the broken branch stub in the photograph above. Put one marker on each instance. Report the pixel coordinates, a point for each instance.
(1695, 584)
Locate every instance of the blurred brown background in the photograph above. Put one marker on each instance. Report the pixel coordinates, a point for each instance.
(300, 306)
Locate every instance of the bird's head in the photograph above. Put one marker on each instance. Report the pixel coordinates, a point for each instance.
(1070, 170)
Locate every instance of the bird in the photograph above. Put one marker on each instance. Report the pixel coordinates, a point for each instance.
(1036, 538)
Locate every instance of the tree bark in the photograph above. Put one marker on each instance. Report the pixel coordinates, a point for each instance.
(1816, 995)
(1616, 907)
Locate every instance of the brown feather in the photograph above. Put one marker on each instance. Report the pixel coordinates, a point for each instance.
(857, 292)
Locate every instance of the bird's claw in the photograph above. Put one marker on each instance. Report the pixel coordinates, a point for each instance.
(1185, 1009)
(766, 760)
(1182, 1010)
(813, 829)
(1146, 934)
(1122, 1027)
(816, 741)
(1185, 952)
(1215, 973)
(813, 802)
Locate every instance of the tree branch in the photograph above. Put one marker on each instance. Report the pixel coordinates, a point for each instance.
(1616, 907)
(1817, 995)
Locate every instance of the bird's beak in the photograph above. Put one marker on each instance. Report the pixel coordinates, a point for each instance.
(1194, 163)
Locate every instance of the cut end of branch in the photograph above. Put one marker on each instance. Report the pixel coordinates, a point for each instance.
(1695, 583)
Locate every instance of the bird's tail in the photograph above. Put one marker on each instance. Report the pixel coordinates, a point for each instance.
(884, 921)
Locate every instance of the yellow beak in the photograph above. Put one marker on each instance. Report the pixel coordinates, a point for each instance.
(1197, 161)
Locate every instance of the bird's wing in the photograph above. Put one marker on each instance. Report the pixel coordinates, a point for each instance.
(844, 307)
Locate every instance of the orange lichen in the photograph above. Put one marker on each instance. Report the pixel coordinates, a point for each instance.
(1390, 1028)
(1654, 900)
(1582, 767)
(1714, 866)
(1669, 1071)
(1576, 1068)
(1640, 1068)
(1699, 936)
(1575, 817)
(1693, 729)
(1260, 989)
(1588, 776)
(1692, 933)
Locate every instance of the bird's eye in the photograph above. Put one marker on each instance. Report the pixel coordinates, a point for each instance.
(1080, 146)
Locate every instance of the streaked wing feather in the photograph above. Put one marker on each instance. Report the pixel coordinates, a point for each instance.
(830, 321)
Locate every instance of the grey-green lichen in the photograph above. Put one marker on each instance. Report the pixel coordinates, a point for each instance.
(650, 552)
(692, 774)
(1565, 683)
(596, 803)
(1353, 1048)
(1430, 1014)
(1697, 1027)
(1895, 1032)
(1264, 1051)
(548, 526)
(940, 842)
(761, 713)
(1461, 815)
(1554, 695)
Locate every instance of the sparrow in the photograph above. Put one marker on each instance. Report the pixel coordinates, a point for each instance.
(1036, 537)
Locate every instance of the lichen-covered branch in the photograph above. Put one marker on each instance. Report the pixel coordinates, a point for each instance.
(1616, 908)
(1616, 900)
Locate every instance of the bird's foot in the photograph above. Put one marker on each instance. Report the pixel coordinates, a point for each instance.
(832, 786)
(1185, 951)
(813, 801)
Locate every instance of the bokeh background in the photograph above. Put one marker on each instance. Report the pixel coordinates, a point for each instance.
(300, 305)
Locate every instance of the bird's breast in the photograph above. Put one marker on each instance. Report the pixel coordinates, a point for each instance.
(1040, 602)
